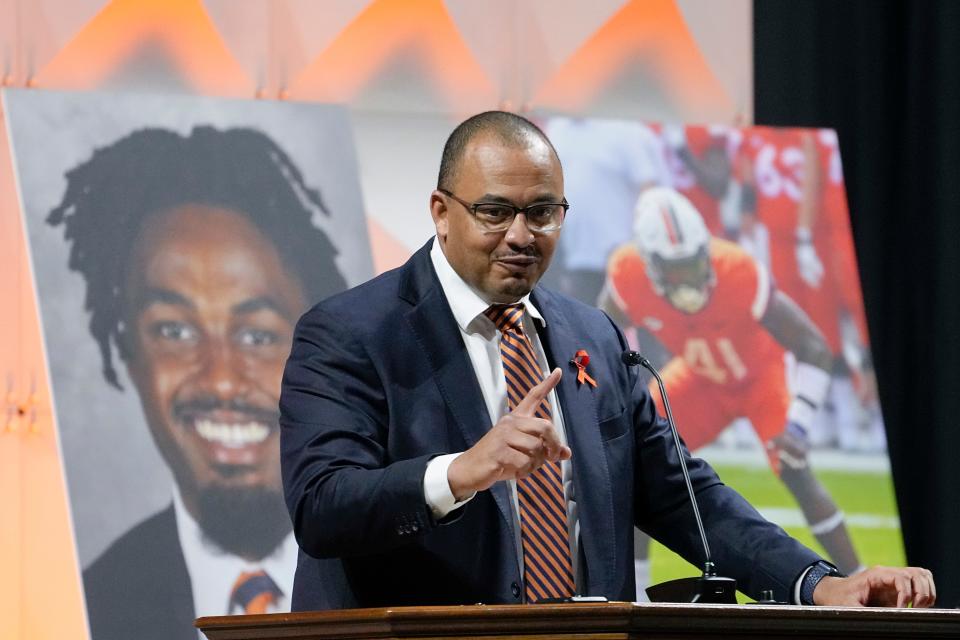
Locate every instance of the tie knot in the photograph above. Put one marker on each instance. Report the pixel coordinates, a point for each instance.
(507, 317)
(254, 591)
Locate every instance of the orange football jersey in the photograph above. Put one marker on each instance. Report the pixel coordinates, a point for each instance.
(779, 163)
(840, 287)
(779, 175)
(724, 342)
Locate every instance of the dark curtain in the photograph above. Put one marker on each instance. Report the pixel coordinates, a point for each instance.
(886, 75)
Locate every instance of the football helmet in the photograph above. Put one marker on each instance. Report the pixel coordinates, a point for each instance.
(675, 246)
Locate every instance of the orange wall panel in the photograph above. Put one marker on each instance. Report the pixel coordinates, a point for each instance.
(40, 593)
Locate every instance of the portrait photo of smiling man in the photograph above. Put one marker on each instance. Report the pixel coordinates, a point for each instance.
(197, 249)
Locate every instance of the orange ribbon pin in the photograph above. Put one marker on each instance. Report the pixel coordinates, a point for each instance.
(581, 359)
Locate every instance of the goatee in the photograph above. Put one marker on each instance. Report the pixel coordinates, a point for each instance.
(250, 522)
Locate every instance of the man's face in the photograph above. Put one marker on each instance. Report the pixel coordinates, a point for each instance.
(503, 266)
(210, 310)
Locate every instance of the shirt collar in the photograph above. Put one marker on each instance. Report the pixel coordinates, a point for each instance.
(466, 303)
(213, 570)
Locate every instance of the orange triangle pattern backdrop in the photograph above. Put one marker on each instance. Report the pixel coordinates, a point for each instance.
(204, 50)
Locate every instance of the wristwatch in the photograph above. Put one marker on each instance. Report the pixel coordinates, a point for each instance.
(818, 571)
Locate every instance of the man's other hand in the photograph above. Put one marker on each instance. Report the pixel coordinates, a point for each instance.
(878, 587)
(515, 446)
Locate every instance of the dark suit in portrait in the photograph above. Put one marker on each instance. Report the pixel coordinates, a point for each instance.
(139, 587)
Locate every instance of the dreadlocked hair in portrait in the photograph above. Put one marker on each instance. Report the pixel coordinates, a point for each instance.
(151, 171)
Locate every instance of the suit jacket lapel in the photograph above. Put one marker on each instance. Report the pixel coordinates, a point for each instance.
(593, 492)
(437, 332)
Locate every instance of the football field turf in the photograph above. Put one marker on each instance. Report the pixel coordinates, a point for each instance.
(864, 494)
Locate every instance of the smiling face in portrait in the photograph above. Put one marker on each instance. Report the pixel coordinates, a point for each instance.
(209, 311)
(503, 266)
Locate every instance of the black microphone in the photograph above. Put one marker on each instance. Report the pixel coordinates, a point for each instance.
(709, 587)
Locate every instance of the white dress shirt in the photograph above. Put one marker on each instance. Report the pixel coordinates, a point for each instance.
(214, 571)
(482, 340)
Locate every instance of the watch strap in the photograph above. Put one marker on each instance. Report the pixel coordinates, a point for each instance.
(818, 571)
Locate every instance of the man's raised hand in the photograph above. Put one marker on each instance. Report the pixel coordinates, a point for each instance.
(518, 444)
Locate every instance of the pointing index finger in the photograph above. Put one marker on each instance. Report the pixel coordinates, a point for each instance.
(528, 405)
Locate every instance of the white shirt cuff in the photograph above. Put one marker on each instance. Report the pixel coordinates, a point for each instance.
(798, 584)
(436, 487)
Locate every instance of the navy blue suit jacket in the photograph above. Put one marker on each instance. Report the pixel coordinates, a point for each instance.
(140, 587)
(379, 382)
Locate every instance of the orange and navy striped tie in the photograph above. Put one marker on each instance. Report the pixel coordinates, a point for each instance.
(548, 571)
(254, 592)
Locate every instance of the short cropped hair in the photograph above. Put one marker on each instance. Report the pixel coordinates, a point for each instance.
(152, 170)
(509, 128)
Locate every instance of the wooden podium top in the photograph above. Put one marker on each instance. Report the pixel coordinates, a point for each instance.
(583, 621)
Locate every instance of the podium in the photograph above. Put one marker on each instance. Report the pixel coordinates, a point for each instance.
(607, 621)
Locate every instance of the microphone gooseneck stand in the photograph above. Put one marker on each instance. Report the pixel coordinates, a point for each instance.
(708, 587)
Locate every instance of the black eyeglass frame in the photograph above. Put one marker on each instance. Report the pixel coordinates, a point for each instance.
(472, 208)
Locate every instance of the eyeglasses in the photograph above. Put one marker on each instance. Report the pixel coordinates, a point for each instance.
(496, 217)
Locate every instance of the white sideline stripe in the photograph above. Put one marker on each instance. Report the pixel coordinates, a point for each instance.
(825, 460)
(827, 525)
(786, 517)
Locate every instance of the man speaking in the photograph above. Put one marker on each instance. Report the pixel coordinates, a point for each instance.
(455, 434)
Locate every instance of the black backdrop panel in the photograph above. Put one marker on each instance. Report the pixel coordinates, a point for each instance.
(886, 76)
